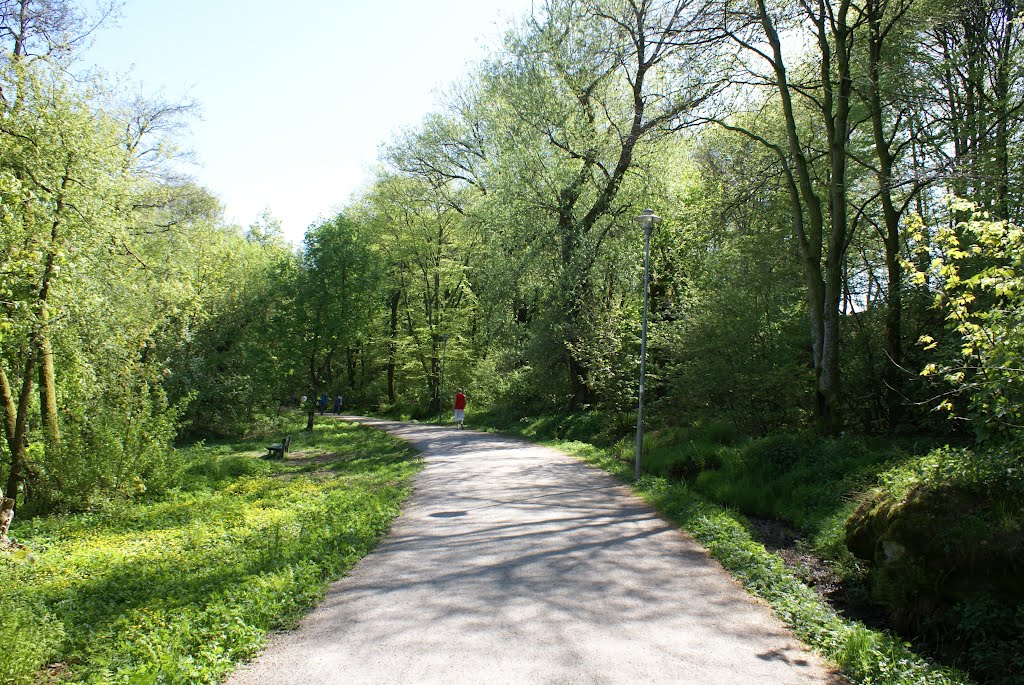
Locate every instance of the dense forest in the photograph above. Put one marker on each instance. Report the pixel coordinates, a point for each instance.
(840, 263)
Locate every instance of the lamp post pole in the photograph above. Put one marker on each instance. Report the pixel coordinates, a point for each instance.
(647, 220)
(440, 384)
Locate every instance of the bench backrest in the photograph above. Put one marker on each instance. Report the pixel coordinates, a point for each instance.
(287, 442)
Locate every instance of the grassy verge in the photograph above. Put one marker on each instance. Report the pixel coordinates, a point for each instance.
(864, 655)
(181, 589)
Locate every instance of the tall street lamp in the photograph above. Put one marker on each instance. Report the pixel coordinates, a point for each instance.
(647, 221)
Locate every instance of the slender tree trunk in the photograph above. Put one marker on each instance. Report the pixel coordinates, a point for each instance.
(10, 407)
(824, 285)
(41, 339)
(17, 439)
(893, 337)
(6, 515)
(1001, 96)
(314, 390)
(351, 359)
(828, 378)
(48, 389)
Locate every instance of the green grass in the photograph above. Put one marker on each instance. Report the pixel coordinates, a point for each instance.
(181, 589)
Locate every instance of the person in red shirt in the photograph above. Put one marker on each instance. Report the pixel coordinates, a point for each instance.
(460, 408)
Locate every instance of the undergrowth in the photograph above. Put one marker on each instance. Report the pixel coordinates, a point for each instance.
(181, 588)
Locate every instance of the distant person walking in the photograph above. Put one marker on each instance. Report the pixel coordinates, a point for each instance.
(337, 404)
(323, 403)
(460, 408)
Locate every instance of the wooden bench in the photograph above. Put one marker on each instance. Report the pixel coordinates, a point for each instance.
(281, 448)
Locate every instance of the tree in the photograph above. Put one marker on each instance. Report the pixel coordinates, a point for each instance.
(582, 94)
(728, 335)
(65, 184)
(429, 255)
(333, 291)
(975, 106)
(820, 209)
(48, 29)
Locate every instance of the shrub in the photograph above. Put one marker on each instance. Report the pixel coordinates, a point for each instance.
(776, 455)
(991, 633)
(686, 461)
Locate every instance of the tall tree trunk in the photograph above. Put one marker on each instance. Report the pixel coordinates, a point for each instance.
(351, 358)
(314, 390)
(1002, 92)
(824, 285)
(48, 388)
(892, 342)
(41, 339)
(17, 430)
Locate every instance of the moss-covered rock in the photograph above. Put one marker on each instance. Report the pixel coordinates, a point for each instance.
(939, 542)
(868, 524)
(944, 533)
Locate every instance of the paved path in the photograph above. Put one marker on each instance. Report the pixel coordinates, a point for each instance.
(514, 563)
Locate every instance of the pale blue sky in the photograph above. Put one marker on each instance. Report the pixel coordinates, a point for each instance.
(297, 96)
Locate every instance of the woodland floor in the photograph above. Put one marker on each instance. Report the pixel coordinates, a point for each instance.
(817, 572)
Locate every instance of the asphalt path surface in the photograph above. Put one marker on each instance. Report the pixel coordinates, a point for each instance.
(513, 563)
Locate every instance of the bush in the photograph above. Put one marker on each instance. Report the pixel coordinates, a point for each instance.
(776, 455)
(991, 633)
(686, 461)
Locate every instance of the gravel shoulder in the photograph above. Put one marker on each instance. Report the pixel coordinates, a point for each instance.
(514, 563)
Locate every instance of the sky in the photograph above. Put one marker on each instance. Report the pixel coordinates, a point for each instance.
(295, 98)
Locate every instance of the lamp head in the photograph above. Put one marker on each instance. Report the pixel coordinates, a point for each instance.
(648, 218)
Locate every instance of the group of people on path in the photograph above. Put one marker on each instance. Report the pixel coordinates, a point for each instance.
(324, 401)
(299, 402)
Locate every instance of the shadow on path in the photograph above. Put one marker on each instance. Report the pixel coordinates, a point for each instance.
(517, 563)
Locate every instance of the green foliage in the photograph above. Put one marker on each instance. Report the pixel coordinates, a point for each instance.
(226, 329)
(979, 267)
(597, 427)
(426, 244)
(682, 453)
(179, 589)
(730, 337)
(991, 633)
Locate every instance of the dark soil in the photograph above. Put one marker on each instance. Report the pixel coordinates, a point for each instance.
(818, 573)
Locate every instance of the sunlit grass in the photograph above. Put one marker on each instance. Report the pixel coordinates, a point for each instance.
(179, 590)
